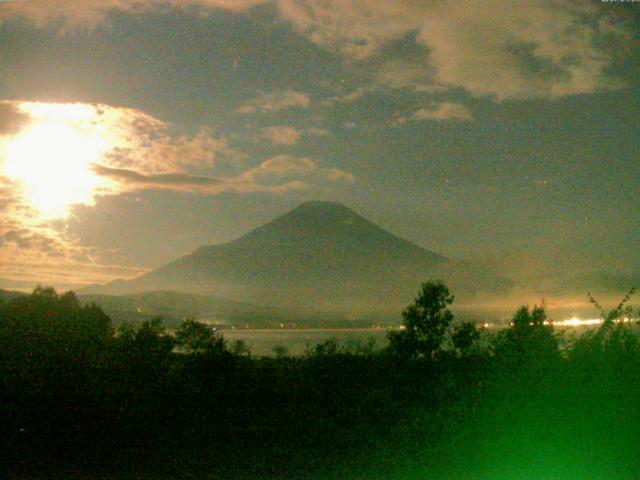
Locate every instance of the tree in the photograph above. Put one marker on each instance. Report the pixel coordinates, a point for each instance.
(196, 337)
(240, 348)
(150, 339)
(614, 340)
(49, 322)
(464, 337)
(280, 351)
(193, 336)
(529, 338)
(425, 323)
(622, 309)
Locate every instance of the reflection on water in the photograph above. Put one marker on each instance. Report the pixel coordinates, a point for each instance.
(296, 342)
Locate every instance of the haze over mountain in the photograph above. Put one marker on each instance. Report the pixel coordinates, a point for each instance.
(321, 256)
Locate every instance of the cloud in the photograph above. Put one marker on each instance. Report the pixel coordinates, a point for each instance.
(288, 135)
(504, 49)
(283, 169)
(443, 111)
(521, 50)
(10, 197)
(132, 138)
(12, 120)
(317, 132)
(356, 28)
(276, 175)
(28, 239)
(31, 248)
(88, 13)
(404, 73)
(437, 111)
(140, 152)
(21, 265)
(347, 97)
(133, 180)
(282, 135)
(177, 179)
(140, 141)
(499, 48)
(275, 102)
(151, 146)
(64, 140)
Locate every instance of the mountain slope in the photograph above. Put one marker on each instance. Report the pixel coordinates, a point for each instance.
(7, 295)
(320, 256)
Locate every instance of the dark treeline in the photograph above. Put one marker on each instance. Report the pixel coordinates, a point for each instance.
(443, 400)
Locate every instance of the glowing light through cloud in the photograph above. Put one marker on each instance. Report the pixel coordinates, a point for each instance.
(52, 157)
(53, 164)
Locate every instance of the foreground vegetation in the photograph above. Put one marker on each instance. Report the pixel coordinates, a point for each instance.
(444, 400)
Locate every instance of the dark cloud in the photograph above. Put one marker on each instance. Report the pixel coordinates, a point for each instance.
(167, 180)
(29, 240)
(276, 175)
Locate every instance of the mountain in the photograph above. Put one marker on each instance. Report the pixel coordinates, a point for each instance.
(321, 256)
(174, 306)
(7, 295)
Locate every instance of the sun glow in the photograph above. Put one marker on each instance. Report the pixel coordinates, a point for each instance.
(52, 157)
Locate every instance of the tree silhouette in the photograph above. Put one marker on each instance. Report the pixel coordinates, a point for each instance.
(464, 337)
(194, 336)
(614, 341)
(143, 353)
(425, 323)
(621, 310)
(240, 348)
(529, 338)
(46, 322)
(280, 351)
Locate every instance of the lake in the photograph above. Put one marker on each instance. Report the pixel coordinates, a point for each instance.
(262, 342)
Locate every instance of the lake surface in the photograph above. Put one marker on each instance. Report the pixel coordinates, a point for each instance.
(296, 342)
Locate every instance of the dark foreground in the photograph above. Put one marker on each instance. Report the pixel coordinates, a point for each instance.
(81, 402)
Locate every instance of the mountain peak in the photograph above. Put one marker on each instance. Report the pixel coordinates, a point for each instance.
(321, 204)
(323, 207)
(313, 221)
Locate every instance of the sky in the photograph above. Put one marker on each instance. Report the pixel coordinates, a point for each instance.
(504, 132)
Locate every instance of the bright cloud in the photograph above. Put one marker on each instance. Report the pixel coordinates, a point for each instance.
(29, 245)
(87, 13)
(504, 49)
(296, 173)
(282, 135)
(52, 155)
(107, 150)
(275, 102)
(443, 111)
(100, 149)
